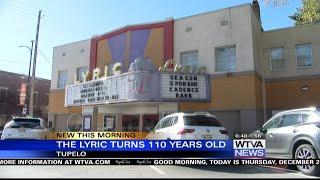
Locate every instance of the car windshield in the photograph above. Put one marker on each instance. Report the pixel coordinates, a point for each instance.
(201, 120)
(24, 123)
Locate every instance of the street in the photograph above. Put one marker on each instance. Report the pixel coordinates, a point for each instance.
(147, 172)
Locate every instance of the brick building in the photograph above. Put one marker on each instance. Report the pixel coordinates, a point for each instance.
(10, 84)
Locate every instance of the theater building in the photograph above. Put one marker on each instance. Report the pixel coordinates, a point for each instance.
(249, 73)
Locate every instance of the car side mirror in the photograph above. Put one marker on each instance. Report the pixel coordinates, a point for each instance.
(263, 130)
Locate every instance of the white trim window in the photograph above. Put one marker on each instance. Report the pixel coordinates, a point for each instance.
(277, 59)
(304, 55)
(226, 59)
(189, 58)
(62, 78)
(80, 71)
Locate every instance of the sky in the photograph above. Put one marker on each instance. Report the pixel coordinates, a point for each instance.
(66, 21)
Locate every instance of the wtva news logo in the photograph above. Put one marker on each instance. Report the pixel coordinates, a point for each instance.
(249, 148)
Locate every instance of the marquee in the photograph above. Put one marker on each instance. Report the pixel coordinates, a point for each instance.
(141, 84)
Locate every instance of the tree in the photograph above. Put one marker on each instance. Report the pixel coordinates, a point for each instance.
(308, 14)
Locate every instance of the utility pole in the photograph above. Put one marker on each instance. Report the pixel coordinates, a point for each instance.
(28, 82)
(34, 68)
(26, 106)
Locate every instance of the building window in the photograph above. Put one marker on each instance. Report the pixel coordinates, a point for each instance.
(224, 23)
(304, 55)
(47, 100)
(277, 59)
(149, 121)
(62, 79)
(74, 122)
(226, 60)
(50, 124)
(82, 50)
(109, 123)
(189, 58)
(130, 123)
(80, 71)
(188, 29)
(35, 99)
(3, 95)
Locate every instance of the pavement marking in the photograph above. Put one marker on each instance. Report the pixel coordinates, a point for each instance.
(304, 175)
(293, 171)
(278, 168)
(156, 169)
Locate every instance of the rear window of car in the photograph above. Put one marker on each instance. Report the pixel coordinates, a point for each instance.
(24, 123)
(201, 120)
(311, 117)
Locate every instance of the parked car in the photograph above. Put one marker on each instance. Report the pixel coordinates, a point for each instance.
(183, 126)
(25, 128)
(293, 134)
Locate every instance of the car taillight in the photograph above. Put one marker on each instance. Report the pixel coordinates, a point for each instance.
(184, 131)
(224, 132)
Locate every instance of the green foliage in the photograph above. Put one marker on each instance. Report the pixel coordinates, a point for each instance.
(308, 14)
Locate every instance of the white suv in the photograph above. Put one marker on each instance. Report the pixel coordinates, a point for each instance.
(25, 128)
(195, 126)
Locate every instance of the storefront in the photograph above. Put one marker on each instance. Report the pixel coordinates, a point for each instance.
(137, 99)
(137, 116)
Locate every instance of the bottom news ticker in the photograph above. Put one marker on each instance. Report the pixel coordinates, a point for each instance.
(205, 162)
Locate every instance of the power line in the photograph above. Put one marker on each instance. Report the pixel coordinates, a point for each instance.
(45, 58)
(11, 60)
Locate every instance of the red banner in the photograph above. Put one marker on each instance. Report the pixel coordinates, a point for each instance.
(23, 92)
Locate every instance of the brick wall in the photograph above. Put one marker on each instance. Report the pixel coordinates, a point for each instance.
(12, 82)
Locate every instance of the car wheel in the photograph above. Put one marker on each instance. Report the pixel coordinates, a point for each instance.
(306, 151)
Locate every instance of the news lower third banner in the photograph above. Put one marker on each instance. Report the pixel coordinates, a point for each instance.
(128, 145)
(116, 148)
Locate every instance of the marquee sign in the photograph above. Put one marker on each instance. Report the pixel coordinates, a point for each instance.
(142, 83)
(184, 86)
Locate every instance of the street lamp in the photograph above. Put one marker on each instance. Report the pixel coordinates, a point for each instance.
(28, 82)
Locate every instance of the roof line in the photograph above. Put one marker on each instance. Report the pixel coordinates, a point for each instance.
(155, 22)
(132, 25)
(292, 27)
(2, 71)
(213, 11)
(72, 42)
